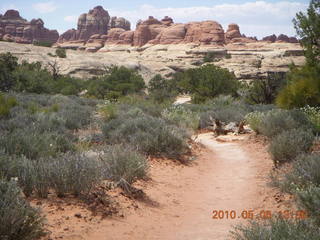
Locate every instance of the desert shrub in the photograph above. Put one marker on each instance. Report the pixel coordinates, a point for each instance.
(277, 121)
(6, 103)
(33, 78)
(34, 144)
(309, 199)
(289, 144)
(8, 63)
(254, 119)
(72, 173)
(145, 105)
(42, 43)
(209, 57)
(303, 88)
(18, 220)
(265, 90)
(161, 89)
(182, 117)
(108, 110)
(276, 228)
(313, 114)
(207, 82)
(306, 168)
(148, 134)
(122, 163)
(61, 53)
(116, 82)
(305, 171)
(224, 109)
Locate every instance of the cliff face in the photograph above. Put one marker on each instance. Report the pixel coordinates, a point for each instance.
(249, 61)
(14, 28)
(103, 31)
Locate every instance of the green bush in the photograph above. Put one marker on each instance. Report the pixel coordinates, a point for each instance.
(8, 64)
(182, 117)
(209, 57)
(313, 114)
(276, 229)
(207, 82)
(148, 134)
(18, 220)
(61, 53)
(6, 103)
(303, 88)
(73, 174)
(34, 144)
(42, 44)
(305, 172)
(124, 164)
(289, 144)
(265, 90)
(162, 90)
(277, 121)
(309, 199)
(116, 82)
(255, 119)
(224, 109)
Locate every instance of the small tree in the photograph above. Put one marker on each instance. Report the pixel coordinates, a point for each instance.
(265, 91)
(304, 83)
(61, 53)
(308, 29)
(8, 63)
(161, 89)
(207, 82)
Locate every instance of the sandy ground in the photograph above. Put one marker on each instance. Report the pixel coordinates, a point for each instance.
(230, 174)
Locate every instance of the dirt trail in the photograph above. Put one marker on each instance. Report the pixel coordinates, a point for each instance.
(182, 199)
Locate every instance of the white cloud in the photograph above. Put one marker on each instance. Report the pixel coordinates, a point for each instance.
(4, 8)
(72, 18)
(44, 7)
(258, 18)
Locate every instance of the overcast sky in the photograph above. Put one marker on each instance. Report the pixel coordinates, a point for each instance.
(255, 18)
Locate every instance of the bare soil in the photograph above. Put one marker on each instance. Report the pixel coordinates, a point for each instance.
(231, 173)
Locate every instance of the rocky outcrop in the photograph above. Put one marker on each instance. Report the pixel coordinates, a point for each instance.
(233, 32)
(147, 30)
(120, 22)
(153, 31)
(96, 21)
(94, 29)
(281, 38)
(207, 32)
(17, 29)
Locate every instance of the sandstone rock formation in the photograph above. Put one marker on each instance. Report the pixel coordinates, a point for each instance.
(96, 21)
(233, 32)
(120, 22)
(281, 38)
(94, 29)
(14, 28)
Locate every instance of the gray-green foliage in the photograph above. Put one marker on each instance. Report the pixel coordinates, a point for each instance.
(123, 163)
(73, 174)
(276, 229)
(273, 122)
(289, 144)
(181, 116)
(309, 199)
(18, 220)
(70, 173)
(148, 134)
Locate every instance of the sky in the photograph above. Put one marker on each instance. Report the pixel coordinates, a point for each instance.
(255, 18)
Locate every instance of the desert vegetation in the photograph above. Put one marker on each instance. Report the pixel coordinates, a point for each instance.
(62, 136)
